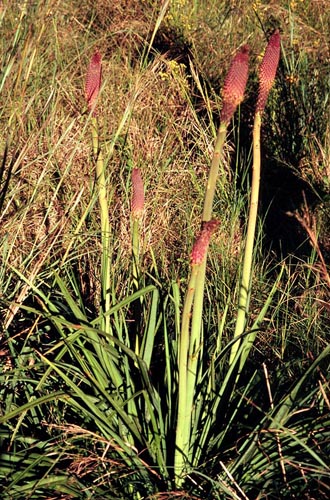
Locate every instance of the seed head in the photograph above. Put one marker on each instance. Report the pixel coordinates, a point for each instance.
(267, 70)
(235, 83)
(93, 80)
(201, 244)
(137, 205)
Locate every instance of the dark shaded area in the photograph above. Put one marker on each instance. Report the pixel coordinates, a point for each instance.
(286, 132)
(6, 174)
(282, 190)
(172, 44)
(282, 193)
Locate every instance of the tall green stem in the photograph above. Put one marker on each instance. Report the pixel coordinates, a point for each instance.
(213, 175)
(106, 255)
(184, 410)
(105, 227)
(190, 346)
(136, 253)
(245, 284)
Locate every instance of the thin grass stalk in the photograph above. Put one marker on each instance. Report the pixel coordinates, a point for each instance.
(159, 20)
(171, 351)
(147, 344)
(249, 339)
(214, 171)
(212, 411)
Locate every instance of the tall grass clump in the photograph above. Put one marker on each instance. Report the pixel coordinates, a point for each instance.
(123, 380)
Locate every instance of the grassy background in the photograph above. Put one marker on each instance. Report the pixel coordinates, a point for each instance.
(159, 111)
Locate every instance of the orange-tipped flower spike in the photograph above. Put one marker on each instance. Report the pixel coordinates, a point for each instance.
(93, 80)
(235, 83)
(137, 206)
(267, 70)
(201, 244)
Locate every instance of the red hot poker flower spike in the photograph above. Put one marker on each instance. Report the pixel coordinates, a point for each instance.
(201, 244)
(267, 70)
(93, 80)
(235, 83)
(137, 206)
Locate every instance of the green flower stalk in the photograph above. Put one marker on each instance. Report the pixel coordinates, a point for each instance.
(137, 210)
(267, 72)
(191, 337)
(190, 353)
(233, 95)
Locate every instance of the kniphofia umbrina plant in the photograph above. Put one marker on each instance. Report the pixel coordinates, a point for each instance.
(190, 352)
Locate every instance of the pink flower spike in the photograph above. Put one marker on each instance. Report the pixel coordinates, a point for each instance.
(201, 244)
(267, 70)
(235, 83)
(93, 80)
(137, 206)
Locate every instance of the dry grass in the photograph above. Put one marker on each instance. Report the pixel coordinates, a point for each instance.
(43, 114)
